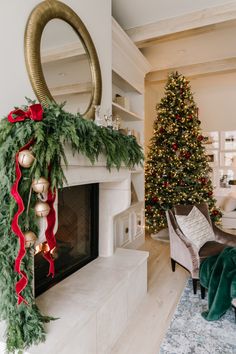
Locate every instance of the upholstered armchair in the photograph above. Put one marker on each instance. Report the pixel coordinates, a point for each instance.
(184, 252)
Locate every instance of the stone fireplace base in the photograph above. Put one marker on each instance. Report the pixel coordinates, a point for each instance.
(94, 304)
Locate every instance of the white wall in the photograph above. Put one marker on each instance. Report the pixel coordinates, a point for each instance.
(15, 84)
(215, 96)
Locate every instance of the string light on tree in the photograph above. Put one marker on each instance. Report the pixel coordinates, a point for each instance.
(177, 170)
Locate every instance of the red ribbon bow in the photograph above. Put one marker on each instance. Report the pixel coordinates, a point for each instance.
(35, 112)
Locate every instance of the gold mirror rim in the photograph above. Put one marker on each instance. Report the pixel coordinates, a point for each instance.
(38, 19)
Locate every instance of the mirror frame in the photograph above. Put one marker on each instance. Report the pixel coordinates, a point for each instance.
(38, 19)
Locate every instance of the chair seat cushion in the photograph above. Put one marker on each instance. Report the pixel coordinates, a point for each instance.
(211, 248)
(195, 227)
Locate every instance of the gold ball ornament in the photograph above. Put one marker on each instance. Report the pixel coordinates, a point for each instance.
(30, 238)
(26, 158)
(40, 185)
(42, 209)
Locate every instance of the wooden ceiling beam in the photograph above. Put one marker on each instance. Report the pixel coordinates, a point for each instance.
(195, 70)
(144, 36)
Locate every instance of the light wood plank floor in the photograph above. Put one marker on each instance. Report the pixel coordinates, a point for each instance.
(148, 325)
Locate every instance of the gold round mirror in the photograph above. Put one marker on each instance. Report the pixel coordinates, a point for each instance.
(61, 59)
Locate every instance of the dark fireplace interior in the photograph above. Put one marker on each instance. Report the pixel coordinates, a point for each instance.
(77, 235)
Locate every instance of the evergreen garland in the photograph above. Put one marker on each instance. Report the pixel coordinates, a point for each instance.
(25, 323)
(177, 170)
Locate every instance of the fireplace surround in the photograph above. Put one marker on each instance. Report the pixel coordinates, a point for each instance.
(93, 305)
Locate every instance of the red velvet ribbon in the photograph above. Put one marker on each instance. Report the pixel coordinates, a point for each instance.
(34, 112)
(21, 284)
(49, 233)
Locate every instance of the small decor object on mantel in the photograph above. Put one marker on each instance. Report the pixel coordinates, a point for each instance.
(18, 220)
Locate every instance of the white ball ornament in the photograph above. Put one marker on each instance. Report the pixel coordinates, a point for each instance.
(40, 185)
(42, 209)
(26, 158)
(30, 238)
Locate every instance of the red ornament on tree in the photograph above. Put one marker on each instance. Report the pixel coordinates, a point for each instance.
(177, 116)
(148, 208)
(175, 146)
(215, 212)
(190, 117)
(155, 199)
(200, 137)
(187, 155)
(203, 180)
(210, 193)
(161, 130)
(165, 184)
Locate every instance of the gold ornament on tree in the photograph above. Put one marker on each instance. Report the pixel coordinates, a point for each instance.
(40, 185)
(42, 209)
(26, 158)
(30, 238)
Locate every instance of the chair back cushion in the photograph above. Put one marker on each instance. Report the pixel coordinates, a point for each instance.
(196, 227)
(185, 210)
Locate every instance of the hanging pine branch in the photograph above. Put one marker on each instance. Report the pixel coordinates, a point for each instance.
(177, 170)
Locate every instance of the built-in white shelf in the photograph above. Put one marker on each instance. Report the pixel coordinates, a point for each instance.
(69, 89)
(124, 113)
(123, 84)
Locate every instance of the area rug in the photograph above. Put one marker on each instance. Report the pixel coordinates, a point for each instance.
(189, 333)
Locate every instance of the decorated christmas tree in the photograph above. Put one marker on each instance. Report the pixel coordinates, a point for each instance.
(177, 169)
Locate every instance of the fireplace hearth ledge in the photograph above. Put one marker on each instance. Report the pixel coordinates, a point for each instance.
(94, 304)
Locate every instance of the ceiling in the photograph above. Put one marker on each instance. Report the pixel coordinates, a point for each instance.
(133, 13)
(192, 36)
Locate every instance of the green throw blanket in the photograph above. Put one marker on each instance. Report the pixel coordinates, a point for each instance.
(218, 275)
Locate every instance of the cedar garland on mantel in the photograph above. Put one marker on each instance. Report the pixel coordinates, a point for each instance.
(24, 322)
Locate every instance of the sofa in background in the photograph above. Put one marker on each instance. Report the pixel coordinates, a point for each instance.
(227, 205)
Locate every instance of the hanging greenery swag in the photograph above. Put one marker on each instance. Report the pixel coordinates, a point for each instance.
(24, 322)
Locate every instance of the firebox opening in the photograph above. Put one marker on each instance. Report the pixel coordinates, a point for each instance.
(77, 235)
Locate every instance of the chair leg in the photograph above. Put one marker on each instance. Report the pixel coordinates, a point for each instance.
(203, 292)
(173, 263)
(195, 286)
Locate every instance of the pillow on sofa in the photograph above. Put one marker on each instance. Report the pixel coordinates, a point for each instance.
(229, 204)
(196, 227)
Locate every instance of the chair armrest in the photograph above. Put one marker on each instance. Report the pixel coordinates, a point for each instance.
(224, 237)
(183, 252)
(191, 248)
